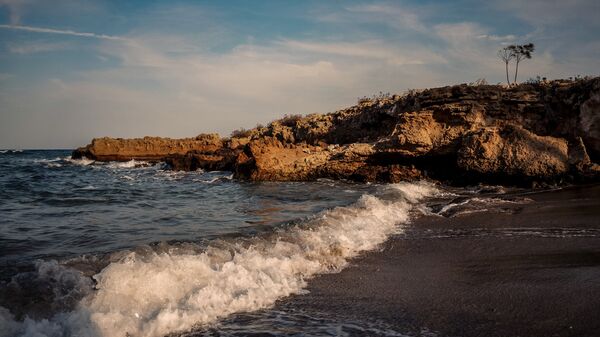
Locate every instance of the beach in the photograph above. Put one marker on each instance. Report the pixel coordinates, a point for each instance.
(522, 269)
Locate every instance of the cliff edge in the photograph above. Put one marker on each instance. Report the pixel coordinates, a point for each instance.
(531, 133)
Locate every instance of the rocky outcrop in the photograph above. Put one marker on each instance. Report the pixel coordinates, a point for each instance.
(512, 151)
(147, 148)
(539, 132)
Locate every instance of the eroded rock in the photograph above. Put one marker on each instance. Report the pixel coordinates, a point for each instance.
(539, 131)
(512, 151)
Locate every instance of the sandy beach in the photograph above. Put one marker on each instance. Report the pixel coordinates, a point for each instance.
(523, 269)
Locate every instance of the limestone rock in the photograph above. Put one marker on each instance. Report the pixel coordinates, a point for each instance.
(513, 152)
(546, 131)
(589, 119)
(147, 148)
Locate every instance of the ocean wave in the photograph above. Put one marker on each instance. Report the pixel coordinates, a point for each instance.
(464, 206)
(157, 292)
(128, 164)
(80, 162)
(11, 151)
(50, 163)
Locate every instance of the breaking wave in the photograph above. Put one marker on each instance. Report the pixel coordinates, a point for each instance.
(177, 288)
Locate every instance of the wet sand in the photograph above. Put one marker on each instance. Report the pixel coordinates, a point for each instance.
(529, 269)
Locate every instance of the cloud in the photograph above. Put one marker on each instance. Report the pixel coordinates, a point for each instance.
(153, 91)
(375, 50)
(550, 13)
(397, 16)
(62, 32)
(176, 77)
(36, 47)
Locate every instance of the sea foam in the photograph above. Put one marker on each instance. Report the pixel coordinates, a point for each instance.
(157, 293)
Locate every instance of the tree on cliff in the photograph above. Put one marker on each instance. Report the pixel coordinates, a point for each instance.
(520, 52)
(506, 54)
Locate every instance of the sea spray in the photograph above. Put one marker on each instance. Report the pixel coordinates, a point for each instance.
(155, 293)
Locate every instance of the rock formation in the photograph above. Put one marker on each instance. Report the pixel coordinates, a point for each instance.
(540, 132)
(147, 148)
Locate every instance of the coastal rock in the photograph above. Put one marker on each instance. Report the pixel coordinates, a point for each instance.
(147, 148)
(512, 151)
(543, 132)
(438, 130)
(589, 119)
(269, 159)
(221, 160)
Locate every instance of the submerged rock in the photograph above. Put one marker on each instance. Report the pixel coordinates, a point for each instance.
(541, 132)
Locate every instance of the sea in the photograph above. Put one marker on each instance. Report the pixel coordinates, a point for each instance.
(135, 249)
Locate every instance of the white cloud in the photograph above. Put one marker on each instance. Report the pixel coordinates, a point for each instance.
(62, 32)
(370, 49)
(171, 84)
(398, 16)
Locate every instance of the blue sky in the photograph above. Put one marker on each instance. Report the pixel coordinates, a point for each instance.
(72, 70)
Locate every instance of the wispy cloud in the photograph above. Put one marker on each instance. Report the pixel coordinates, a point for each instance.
(371, 49)
(63, 32)
(400, 17)
(36, 47)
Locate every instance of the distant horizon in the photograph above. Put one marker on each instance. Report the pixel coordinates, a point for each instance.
(73, 71)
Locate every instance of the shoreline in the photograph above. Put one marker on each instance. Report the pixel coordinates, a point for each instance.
(531, 269)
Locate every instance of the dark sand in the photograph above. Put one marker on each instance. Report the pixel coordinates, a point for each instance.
(528, 269)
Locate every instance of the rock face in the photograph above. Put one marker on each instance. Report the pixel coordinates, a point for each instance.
(541, 132)
(147, 148)
(513, 151)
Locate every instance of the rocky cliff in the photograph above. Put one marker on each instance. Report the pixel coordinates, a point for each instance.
(540, 132)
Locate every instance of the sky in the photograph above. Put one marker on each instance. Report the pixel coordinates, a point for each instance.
(72, 70)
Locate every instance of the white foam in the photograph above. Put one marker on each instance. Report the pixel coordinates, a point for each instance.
(50, 163)
(128, 164)
(82, 162)
(154, 294)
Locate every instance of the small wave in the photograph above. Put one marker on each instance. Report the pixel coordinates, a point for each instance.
(81, 162)
(128, 164)
(159, 292)
(10, 151)
(215, 179)
(475, 205)
(50, 163)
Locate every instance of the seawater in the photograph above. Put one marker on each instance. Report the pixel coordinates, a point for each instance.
(134, 249)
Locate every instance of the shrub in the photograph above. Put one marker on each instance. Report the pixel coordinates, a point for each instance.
(241, 133)
(290, 120)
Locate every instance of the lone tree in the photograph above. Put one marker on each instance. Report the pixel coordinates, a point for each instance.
(520, 53)
(506, 54)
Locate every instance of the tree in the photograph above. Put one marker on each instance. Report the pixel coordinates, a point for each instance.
(521, 52)
(506, 54)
